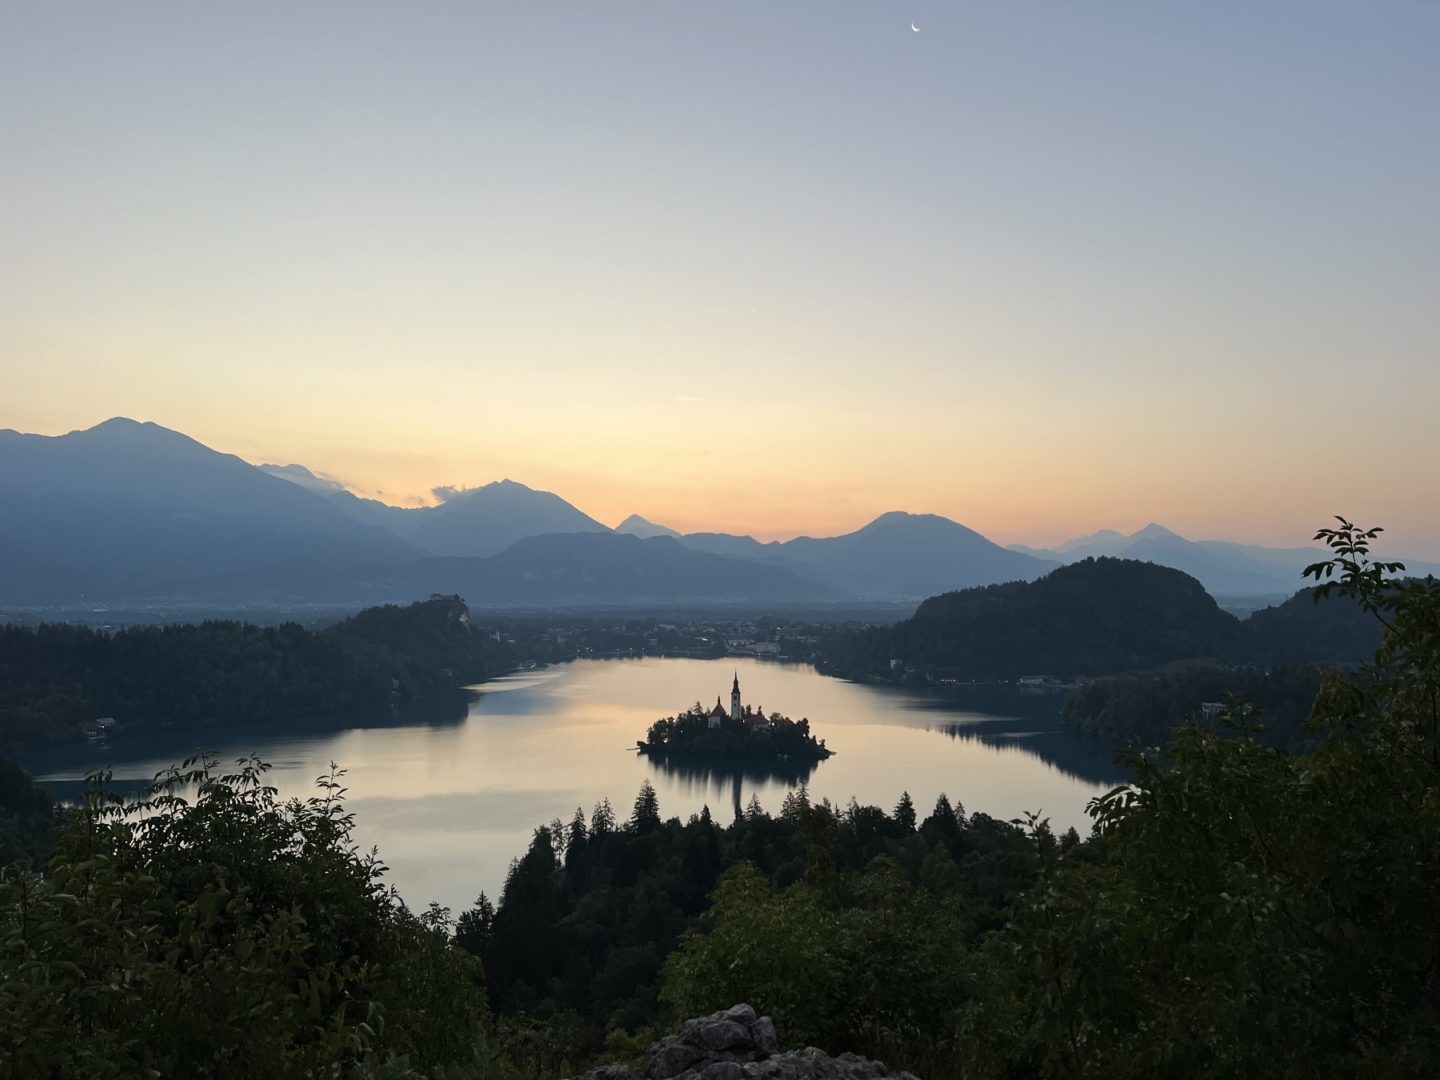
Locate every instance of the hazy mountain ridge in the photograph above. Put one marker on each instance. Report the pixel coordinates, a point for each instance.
(1224, 568)
(130, 504)
(552, 570)
(130, 510)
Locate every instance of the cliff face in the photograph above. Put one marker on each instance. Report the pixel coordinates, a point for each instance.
(737, 1045)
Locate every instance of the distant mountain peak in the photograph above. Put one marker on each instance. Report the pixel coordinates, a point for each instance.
(495, 487)
(124, 427)
(635, 525)
(118, 423)
(893, 520)
(1155, 531)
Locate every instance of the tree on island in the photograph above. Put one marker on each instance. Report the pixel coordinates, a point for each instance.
(700, 734)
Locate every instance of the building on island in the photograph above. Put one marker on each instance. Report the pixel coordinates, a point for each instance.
(717, 714)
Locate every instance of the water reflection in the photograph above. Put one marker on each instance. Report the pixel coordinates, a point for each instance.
(1083, 757)
(135, 759)
(730, 776)
(450, 789)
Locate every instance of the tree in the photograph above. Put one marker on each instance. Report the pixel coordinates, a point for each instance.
(473, 927)
(795, 804)
(1258, 912)
(905, 812)
(209, 930)
(646, 815)
(602, 819)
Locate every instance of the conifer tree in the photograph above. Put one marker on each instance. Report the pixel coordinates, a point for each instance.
(905, 812)
(646, 815)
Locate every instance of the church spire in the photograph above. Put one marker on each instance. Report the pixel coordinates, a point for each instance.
(735, 698)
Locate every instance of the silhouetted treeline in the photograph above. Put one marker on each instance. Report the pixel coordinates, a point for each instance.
(27, 816)
(591, 911)
(1095, 617)
(56, 679)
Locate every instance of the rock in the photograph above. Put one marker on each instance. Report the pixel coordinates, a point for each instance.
(726, 1035)
(741, 1014)
(763, 1031)
(735, 1044)
(723, 1070)
(670, 1057)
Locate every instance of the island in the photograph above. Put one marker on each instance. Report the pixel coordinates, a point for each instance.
(741, 733)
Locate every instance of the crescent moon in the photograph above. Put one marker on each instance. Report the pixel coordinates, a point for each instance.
(914, 27)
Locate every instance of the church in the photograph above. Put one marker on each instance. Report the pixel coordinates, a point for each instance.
(717, 714)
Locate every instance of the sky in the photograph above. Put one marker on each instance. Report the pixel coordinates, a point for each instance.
(774, 267)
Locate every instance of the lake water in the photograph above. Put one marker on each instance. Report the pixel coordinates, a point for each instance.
(451, 793)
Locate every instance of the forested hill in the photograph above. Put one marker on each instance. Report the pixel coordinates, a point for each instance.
(56, 680)
(1091, 617)
(1301, 631)
(1096, 617)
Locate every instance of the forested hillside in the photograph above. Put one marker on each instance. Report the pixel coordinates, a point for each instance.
(57, 679)
(1143, 710)
(1100, 616)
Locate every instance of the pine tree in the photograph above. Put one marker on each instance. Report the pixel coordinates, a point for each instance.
(905, 812)
(602, 821)
(646, 815)
(473, 928)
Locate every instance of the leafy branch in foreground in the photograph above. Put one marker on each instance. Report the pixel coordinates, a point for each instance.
(1258, 912)
(209, 929)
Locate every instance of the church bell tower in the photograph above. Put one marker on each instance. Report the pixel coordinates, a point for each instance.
(735, 698)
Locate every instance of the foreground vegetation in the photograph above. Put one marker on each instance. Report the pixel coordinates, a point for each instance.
(1240, 911)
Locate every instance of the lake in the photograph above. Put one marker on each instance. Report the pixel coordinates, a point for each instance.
(451, 792)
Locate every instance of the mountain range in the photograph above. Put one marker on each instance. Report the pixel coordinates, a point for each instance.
(134, 513)
(1224, 568)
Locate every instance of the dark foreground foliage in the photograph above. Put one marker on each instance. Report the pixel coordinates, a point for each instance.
(27, 817)
(591, 911)
(224, 935)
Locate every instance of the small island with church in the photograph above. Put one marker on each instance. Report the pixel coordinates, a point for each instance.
(742, 732)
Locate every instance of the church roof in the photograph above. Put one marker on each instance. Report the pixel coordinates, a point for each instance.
(717, 710)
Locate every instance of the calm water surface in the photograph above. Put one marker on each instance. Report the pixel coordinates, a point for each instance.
(451, 793)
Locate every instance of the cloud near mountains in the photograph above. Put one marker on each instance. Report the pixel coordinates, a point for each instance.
(446, 492)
